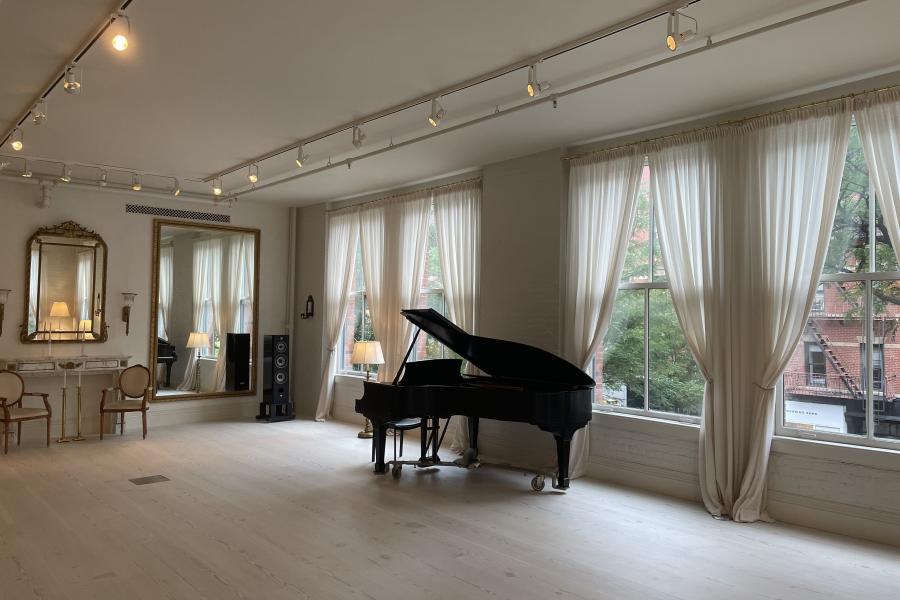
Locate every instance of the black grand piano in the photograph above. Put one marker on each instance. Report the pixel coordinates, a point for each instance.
(521, 383)
(166, 355)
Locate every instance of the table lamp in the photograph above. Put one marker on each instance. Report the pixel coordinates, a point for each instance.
(367, 353)
(198, 340)
(58, 310)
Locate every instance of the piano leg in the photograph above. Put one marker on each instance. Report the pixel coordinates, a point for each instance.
(423, 441)
(562, 457)
(168, 374)
(471, 455)
(379, 437)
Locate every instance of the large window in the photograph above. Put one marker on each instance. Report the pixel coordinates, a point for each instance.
(645, 364)
(358, 321)
(850, 392)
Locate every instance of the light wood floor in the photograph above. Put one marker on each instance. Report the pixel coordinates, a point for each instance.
(291, 510)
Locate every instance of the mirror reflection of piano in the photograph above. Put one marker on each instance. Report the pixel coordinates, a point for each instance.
(521, 383)
(165, 354)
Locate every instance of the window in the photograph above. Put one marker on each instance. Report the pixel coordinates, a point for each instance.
(645, 364)
(841, 383)
(358, 321)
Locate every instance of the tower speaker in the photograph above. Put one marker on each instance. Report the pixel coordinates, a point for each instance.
(276, 404)
(237, 362)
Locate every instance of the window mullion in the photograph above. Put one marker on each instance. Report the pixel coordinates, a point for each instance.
(870, 333)
(647, 348)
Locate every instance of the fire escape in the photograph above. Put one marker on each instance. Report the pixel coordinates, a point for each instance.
(845, 376)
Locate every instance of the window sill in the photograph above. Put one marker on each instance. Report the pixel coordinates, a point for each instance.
(866, 456)
(687, 421)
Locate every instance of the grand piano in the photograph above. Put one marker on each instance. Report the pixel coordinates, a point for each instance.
(521, 383)
(166, 355)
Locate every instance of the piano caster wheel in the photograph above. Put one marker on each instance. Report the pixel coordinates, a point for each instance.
(537, 483)
(396, 470)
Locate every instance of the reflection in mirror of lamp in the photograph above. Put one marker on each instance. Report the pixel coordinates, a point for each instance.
(205, 281)
(65, 267)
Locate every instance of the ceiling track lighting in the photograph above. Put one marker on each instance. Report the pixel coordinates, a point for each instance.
(39, 112)
(26, 171)
(177, 191)
(301, 158)
(66, 174)
(217, 186)
(103, 181)
(136, 182)
(253, 173)
(675, 36)
(122, 32)
(72, 79)
(358, 136)
(535, 87)
(437, 112)
(16, 141)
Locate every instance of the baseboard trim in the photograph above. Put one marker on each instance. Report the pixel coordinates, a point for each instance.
(646, 477)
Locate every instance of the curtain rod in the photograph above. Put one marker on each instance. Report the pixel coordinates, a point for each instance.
(730, 122)
(402, 194)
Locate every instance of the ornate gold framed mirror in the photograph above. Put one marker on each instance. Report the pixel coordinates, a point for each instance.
(65, 276)
(204, 310)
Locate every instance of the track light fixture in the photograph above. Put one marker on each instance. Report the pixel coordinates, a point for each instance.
(26, 171)
(122, 31)
(136, 182)
(72, 81)
(437, 113)
(177, 191)
(66, 174)
(103, 178)
(253, 173)
(674, 34)
(15, 140)
(535, 87)
(217, 186)
(39, 112)
(301, 158)
(358, 136)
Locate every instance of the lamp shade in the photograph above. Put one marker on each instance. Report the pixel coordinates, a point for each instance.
(59, 309)
(198, 339)
(85, 325)
(367, 353)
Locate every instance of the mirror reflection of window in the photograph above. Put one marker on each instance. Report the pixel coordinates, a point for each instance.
(164, 307)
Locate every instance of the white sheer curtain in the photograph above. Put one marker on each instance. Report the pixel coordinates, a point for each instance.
(457, 218)
(878, 119)
(207, 292)
(235, 292)
(83, 278)
(164, 302)
(342, 244)
(392, 234)
(602, 201)
(33, 284)
(744, 216)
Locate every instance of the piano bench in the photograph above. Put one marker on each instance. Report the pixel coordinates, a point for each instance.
(400, 425)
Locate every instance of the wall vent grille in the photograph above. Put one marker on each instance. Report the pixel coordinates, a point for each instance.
(195, 215)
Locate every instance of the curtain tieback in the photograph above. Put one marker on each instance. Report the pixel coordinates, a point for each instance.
(765, 389)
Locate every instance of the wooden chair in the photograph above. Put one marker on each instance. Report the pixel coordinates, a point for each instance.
(12, 390)
(134, 382)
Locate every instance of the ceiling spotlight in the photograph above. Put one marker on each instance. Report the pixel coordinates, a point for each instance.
(217, 186)
(177, 191)
(535, 87)
(120, 39)
(72, 81)
(103, 178)
(39, 112)
(358, 136)
(301, 158)
(437, 113)
(136, 182)
(26, 171)
(16, 140)
(253, 173)
(674, 34)
(67, 174)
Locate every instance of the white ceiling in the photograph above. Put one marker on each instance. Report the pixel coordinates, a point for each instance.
(207, 84)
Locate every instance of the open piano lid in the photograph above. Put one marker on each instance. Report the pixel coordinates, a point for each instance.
(499, 358)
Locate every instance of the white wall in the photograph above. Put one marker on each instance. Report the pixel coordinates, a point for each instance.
(129, 238)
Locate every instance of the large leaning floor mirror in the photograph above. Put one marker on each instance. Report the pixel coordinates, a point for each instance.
(204, 310)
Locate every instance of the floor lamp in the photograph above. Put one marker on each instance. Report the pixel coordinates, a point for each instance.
(197, 340)
(367, 354)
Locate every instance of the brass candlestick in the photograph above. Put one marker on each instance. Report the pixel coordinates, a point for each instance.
(62, 423)
(78, 437)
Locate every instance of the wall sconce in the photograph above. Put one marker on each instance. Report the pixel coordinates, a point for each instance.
(4, 296)
(127, 303)
(310, 308)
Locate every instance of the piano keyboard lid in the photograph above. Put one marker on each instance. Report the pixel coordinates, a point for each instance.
(499, 358)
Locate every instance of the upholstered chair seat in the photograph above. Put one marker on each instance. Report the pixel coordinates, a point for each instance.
(25, 414)
(134, 382)
(12, 392)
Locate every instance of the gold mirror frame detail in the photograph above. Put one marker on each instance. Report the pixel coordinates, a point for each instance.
(71, 230)
(158, 224)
